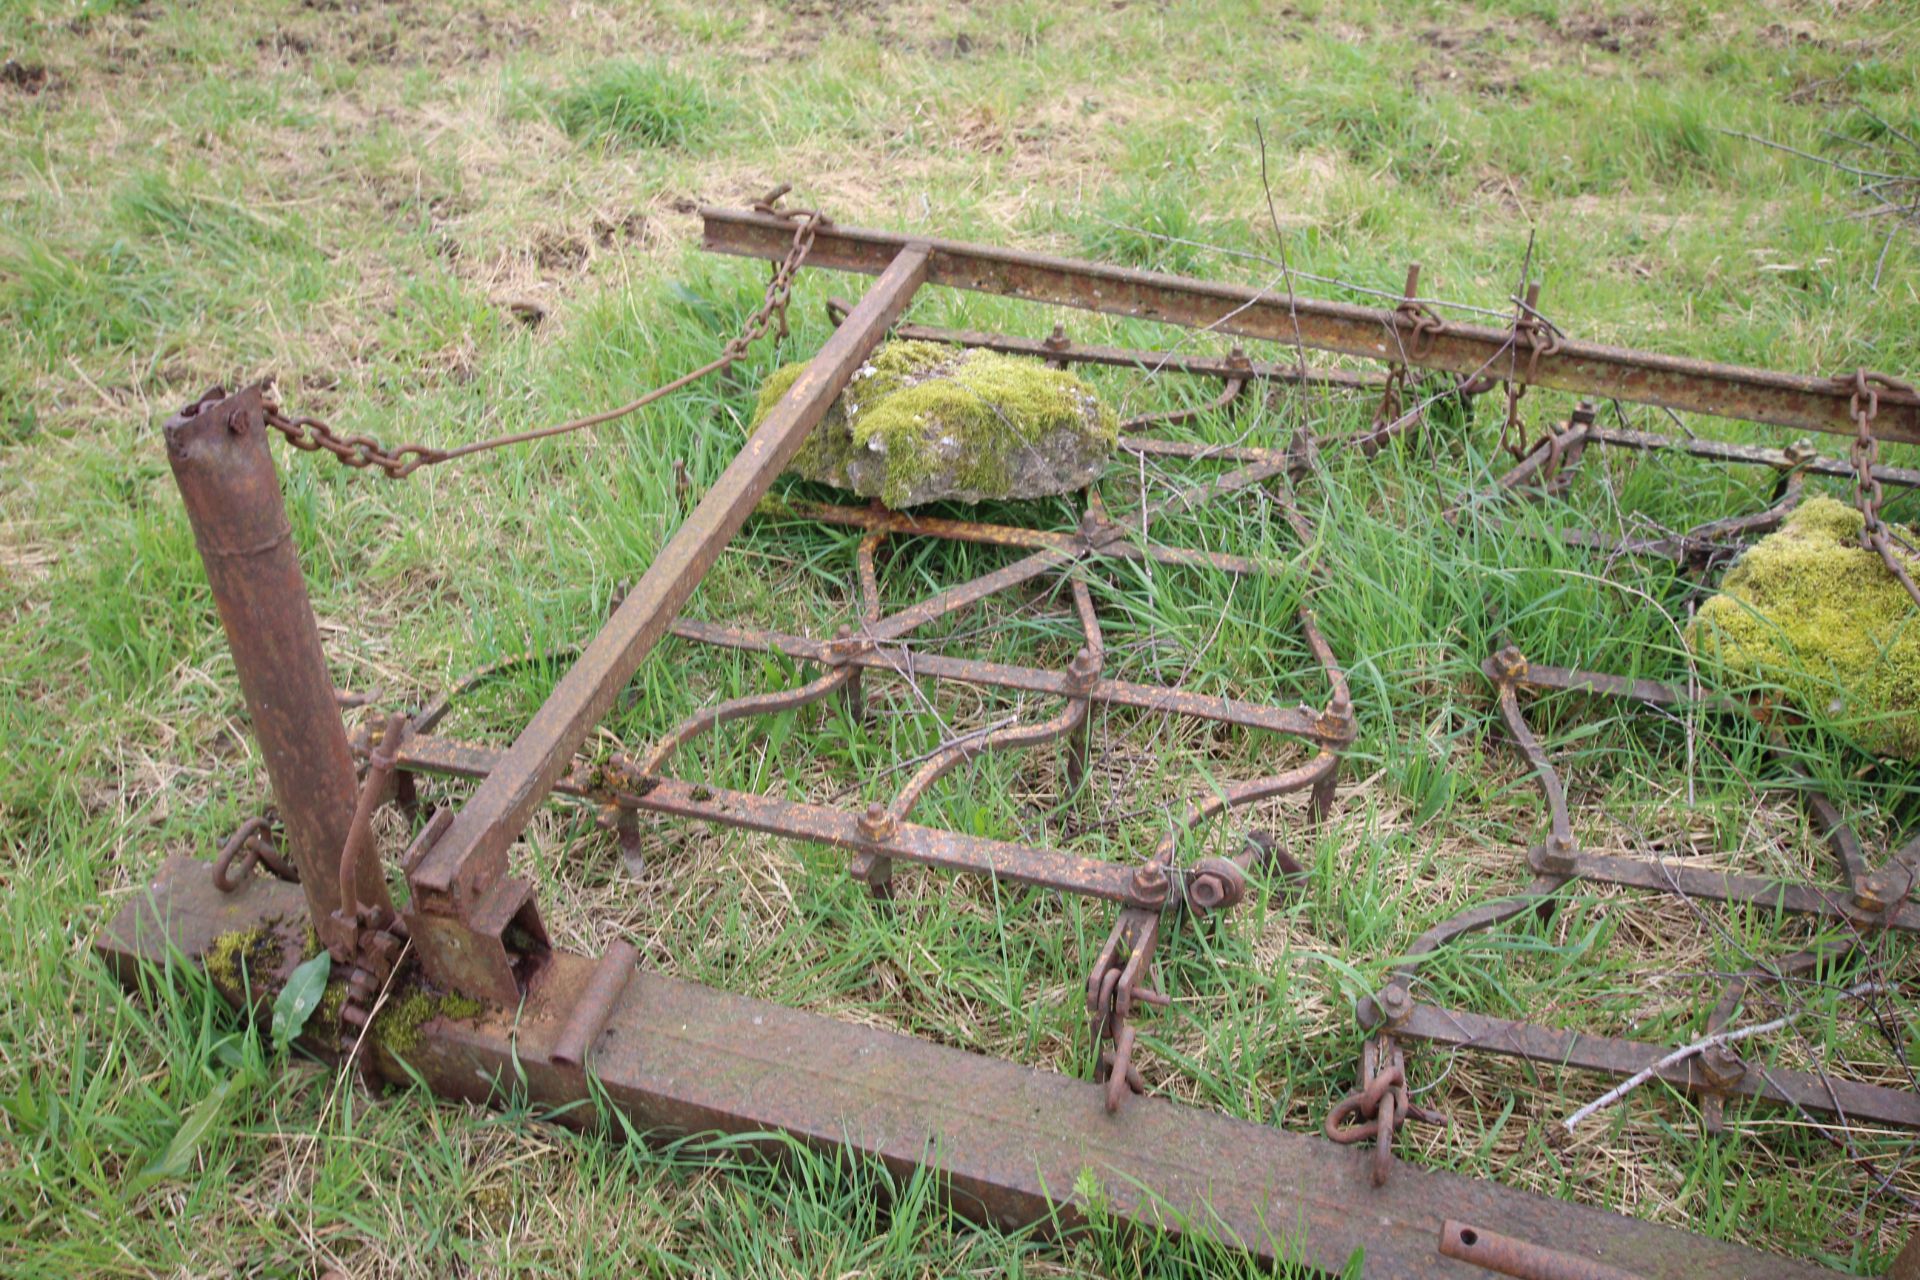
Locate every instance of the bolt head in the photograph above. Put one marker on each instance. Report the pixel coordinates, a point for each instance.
(1150, 880)
(1721, 1065)
(876, 823)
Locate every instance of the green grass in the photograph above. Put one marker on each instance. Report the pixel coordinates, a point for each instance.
(636, 104)
(349, 199)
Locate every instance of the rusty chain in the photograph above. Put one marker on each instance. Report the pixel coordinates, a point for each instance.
(1537, 338)
(1862, 406)
(1420, 325)
(1379, 1107)
(256, 842)
(311, 435)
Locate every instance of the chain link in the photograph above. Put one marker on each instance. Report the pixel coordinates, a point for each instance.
(256, 843)
(311, 435)
(1379, 1107)
(1537, 338)
(1863, 404)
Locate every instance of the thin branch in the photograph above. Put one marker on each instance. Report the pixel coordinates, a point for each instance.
(1640, 1077)
(1888, 126)
(1280, 240)
(1806, 155)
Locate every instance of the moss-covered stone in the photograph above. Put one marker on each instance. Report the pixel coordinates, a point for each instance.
(921, 422)
(242, 962)
(1811, 610)
(398, 1025)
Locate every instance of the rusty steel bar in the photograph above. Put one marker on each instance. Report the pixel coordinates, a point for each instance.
(1522, 1259)
(909, 842)
(1223, 368)
(1763, 892)
(454, 875)
(217, 448)
(1012, 1146)
(1002, 535)
(1790, 459)
(1642, 377)
(1199, 451)
(956, 598)
(1615, 1056)
(1299, 721)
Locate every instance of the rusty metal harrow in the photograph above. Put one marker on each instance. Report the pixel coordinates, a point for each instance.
(623, 786)
(1868, 902)
(1011, 1143)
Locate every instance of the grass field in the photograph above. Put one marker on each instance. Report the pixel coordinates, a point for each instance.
(440, 221)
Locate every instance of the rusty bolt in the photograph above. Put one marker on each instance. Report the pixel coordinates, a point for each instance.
(876, 823)
(1057, 340)
(1083, 670)
(1558, 854)
(1396, 1003)
(1871, 895)
(1216, 884)
(1721, 1066)
(1150, 881)
(1511, 663)
(237, 422)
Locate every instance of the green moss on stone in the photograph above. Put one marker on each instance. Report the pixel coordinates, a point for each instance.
(920, 411)
(398, 1025)
(246, 958)
(1812, 611)
(240, 961)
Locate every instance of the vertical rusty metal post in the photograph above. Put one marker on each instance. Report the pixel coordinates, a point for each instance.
(221, 461)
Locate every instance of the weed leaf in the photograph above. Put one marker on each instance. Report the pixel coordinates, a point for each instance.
(299, 998)
(176, 1161)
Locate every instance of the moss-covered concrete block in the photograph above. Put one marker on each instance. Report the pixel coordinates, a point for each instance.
(1813, 611)
(922, 422)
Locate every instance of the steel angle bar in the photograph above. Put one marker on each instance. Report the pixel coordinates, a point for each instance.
(1000, 535)
(1790, 459)
(1227, 368)
(1796, 401)
(907, 841)
(1300, 722)
(454, 876)
(1010, 1145)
